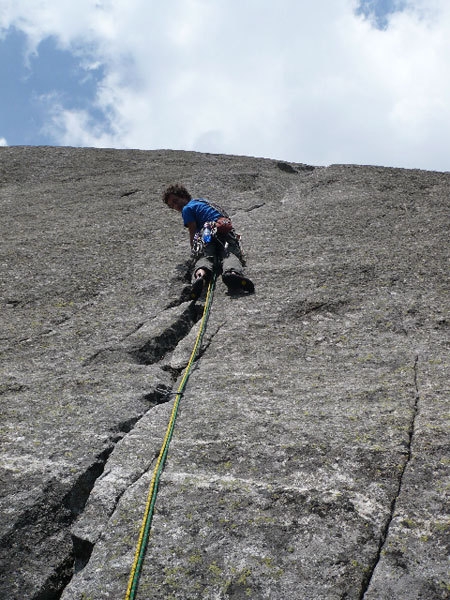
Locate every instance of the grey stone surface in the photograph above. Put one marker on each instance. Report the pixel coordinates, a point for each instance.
(310, 456)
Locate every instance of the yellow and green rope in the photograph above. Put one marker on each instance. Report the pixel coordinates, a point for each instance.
(153, 489)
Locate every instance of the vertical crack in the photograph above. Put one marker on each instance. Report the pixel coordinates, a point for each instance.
(162, 340)
(385, 531)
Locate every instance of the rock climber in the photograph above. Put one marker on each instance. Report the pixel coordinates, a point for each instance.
(212, 238)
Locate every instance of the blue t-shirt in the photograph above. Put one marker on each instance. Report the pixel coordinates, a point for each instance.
(200, 212)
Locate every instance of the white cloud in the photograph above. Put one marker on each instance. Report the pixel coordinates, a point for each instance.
(301, 81)
(3, 142)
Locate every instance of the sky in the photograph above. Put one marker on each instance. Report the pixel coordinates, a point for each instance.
(325, 82)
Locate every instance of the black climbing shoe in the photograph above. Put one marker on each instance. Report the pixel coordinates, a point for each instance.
(199, 284)
(237, 283)
(197, 288)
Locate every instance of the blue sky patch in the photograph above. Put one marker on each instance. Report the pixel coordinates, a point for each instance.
(52, 71)
(378, 11)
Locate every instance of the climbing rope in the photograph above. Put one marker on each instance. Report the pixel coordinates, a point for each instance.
(153, 489)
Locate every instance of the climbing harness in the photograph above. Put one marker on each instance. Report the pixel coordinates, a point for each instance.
(223, 238)
(144, 533)
(221, 230)
(223, 226)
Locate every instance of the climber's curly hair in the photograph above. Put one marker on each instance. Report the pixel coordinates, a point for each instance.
(176, 190)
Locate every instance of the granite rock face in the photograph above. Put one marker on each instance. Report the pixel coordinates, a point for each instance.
(310, 456)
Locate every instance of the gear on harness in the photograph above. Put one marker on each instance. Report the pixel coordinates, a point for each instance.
(224, 226)
(197, 246)
(210, 232)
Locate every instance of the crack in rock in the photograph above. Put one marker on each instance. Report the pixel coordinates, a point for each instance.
(162, 394)
(77, 498)
(152, 340)
(180, 356)
(255, 207)
(385, 531)
(63, 511)
(157, 347)
(310, 306)
(130, 192)
(175, 333)
(288, 168)
(51, 520)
